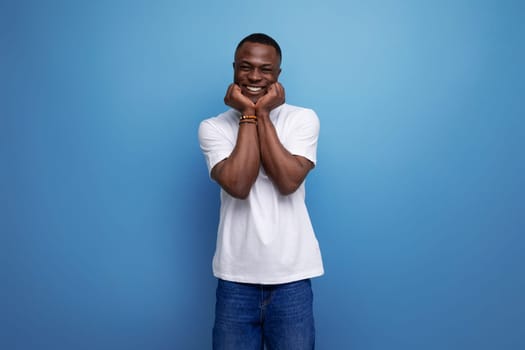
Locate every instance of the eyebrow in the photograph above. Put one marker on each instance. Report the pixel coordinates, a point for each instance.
(262, 65)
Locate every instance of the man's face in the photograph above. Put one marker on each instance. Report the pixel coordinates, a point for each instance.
(256, 67)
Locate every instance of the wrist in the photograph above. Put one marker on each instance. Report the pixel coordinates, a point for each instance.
(262, 113)
(248, 119)
(248, 111)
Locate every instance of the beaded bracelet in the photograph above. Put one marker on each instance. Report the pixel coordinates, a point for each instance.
(247, 121)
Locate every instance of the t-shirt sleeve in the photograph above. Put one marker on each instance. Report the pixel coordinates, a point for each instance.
(214, 144)
(303, 134)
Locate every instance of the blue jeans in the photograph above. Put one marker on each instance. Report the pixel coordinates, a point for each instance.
(252, 316)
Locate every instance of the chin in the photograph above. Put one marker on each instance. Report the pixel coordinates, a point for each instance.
(253, 98)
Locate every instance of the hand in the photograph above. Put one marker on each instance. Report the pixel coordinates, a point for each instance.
(273, 98)
(235, 99)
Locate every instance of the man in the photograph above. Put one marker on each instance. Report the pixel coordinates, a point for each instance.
(260, 152)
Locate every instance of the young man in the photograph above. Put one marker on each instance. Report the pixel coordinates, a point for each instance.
(260, 152)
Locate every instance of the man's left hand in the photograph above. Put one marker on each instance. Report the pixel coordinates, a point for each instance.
(274, 97)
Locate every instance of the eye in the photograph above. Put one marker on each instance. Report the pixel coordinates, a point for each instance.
(245, 68)
(266, 70)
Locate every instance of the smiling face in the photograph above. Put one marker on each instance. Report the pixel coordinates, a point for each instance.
(256, 67)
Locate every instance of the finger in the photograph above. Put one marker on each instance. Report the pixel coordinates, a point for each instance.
(236, 91)
(228, 91)
(233, 88)
(273, 90)
(280, 89)
(229, 94)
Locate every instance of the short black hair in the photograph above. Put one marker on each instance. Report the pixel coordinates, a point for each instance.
(261, 38)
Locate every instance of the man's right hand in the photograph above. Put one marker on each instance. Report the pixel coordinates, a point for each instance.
(235, 99)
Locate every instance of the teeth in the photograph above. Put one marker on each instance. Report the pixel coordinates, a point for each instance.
(254, 88)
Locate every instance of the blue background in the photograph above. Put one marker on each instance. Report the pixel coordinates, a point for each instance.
(108, 216)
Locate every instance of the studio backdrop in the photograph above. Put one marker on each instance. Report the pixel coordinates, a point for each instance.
(108, 217)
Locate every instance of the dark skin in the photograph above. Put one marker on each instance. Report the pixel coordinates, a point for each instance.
(256, 91)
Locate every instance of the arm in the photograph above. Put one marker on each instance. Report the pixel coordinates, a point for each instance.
(237, 173)
(287, 171)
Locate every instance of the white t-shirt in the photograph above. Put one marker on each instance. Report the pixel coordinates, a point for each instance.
(266, 238)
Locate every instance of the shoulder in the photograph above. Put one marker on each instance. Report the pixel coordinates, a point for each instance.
(221, 121)
(298, 114)
(223, 118)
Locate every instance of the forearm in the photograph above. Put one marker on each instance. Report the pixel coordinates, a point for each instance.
(237, 173)
(285, 170)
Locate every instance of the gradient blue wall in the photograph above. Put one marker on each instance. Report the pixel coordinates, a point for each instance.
(108, 216)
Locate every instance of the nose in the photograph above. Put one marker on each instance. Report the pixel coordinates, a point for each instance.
(254, 75)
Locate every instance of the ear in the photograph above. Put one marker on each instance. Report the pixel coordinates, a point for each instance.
(233, 64)
(279, 73)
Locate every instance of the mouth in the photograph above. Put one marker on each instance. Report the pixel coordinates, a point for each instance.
(254, 89)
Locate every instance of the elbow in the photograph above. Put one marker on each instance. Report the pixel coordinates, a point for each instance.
(289, 188)
(287, 192)
(239, 194)
(240, 191)
(237, 187)
(288, 182)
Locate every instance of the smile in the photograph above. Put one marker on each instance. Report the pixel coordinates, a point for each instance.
(254, 88)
